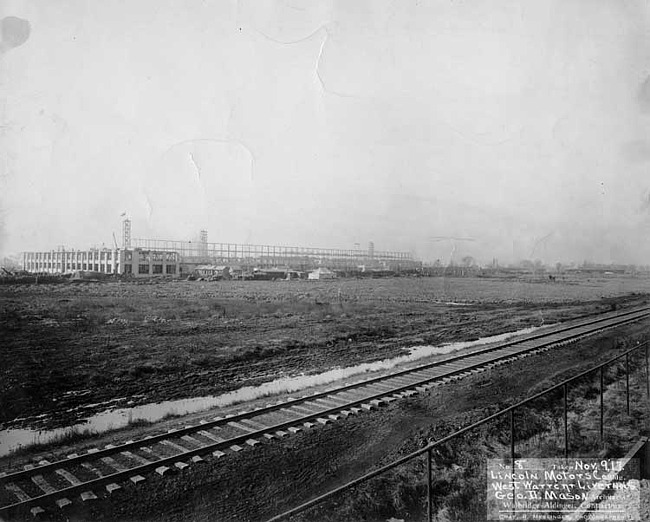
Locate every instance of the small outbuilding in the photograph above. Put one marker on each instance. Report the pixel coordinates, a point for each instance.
(212, 271)
(269, 274)
(321, 273)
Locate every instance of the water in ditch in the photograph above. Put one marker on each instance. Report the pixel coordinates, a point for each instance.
(118, 417)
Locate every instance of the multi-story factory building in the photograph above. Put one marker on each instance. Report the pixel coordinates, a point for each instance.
(121, 261)
(158, 257)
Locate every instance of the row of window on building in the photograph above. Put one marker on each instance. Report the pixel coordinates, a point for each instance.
(155, 269)
(129, 262)
(143, 269)
(98, 255)
(59, 267)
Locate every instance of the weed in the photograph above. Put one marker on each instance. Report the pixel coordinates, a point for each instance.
(68, 437)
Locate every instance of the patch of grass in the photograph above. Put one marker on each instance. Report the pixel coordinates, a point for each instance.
(171, 415)
(136, 423)
(68, 437)
(76, 434)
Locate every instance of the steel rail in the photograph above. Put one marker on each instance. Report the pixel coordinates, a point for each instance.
(429, 447)
(293, 402)
(629, 316)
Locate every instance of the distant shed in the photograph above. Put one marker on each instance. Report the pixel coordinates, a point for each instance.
(270, 274)
(321, 273)
(218, 271)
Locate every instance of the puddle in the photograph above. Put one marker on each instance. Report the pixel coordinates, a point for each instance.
(12, 439)
(419, 352)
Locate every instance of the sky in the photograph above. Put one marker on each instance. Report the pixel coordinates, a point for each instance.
(489, 128)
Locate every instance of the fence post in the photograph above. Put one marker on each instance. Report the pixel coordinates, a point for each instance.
(512, 453)
(429, 499)
(602, 405)
(627, 381)
(566, 421)
(512, 437)
(647, 371)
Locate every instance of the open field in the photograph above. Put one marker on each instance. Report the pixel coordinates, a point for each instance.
(66, 346)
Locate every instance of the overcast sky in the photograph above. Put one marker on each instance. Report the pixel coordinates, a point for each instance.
(521, 125)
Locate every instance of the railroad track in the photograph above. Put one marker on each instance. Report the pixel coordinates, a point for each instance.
(48, 485)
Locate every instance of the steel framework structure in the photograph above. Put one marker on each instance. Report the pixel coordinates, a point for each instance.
(273, 255)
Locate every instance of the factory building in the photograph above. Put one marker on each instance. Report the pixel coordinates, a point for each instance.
(158, 257)
(135, 262)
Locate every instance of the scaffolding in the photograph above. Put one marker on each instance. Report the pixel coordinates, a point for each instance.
(126, 233)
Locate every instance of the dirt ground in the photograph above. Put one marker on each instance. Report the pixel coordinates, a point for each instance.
(78, 345)
(69, 345)
(261, 482)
